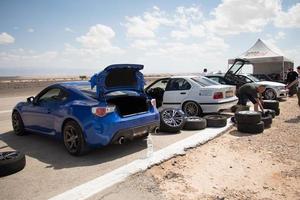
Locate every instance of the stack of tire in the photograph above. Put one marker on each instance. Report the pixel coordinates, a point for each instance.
(272, 105)
(252, 122)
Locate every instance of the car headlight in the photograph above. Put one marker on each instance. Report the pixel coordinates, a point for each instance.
(280, 87)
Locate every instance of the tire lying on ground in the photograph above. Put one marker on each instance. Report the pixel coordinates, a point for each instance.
(271, 104)
(172, 120)
(237, 108)
(247, 117)
(251, 128)
(270, 112)
(195, 123)
(277, 112)
(11, 162)
(216, 120)
(267, 119)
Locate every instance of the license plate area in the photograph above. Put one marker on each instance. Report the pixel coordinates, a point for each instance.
(228, 94)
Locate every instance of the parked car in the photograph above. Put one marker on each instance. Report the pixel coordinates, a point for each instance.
(233, 76)
(112, 107)
(263, 77)
(195, 95)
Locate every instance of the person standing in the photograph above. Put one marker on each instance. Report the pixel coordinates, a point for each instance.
(204, 73)
(251, 92)
(294, 83)
(291, 77)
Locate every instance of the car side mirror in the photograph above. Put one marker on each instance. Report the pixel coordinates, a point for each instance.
(30, 100)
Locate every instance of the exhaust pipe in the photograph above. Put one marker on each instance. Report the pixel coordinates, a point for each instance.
(121, 140)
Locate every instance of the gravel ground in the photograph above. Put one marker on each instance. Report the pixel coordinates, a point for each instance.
(233, 166)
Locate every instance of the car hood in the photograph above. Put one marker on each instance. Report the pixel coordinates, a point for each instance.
(118, 77)
(270, 83)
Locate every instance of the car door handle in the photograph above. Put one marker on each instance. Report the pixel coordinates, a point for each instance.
(182, 92)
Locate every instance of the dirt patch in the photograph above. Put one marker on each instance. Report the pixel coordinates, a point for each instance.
(236, 165)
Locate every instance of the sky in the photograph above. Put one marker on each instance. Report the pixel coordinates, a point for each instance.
(82, 37)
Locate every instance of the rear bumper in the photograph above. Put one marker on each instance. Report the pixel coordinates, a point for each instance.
(219, 106)
(103, 131)
(136, 132)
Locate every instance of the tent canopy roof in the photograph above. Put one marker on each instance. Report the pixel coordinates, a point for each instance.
(263, 52)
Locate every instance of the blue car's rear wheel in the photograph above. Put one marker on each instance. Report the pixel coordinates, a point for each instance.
(17, 123)
(73, 139)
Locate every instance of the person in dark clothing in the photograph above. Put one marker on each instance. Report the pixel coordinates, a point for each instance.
(251, 92)
(295, 82)
(291, 77)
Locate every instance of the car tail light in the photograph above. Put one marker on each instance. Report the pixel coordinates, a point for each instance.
(102, 111)
(153, 102)
(218, 95)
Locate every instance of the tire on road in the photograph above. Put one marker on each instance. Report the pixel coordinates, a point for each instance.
(267, 119)
(11, 162)
(172, 120)
(251, 128)
(195, 123)
(17, 123)
(216, 120)
(248, 117)
(271, 104)
(73, 139)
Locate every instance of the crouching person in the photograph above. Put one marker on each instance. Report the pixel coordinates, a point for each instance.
(253, 93)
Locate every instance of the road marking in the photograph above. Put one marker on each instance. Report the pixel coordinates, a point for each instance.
(5, 111)
(118, 175)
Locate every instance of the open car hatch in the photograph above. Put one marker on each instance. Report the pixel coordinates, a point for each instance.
(118, 77)
(232, 73)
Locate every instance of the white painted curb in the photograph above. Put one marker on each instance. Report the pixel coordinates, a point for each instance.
(101, 183)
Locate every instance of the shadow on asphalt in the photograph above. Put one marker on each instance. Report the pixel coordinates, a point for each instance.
(52, 151)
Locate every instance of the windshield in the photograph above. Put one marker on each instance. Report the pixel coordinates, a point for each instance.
(203, 81)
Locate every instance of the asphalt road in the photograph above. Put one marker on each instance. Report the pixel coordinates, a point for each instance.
(50, 170)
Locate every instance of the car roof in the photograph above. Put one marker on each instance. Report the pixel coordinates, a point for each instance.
(219, 75)
(72, 83)
(187, 76)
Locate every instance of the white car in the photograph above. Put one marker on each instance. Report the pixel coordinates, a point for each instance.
(274, 90)
(195, 95)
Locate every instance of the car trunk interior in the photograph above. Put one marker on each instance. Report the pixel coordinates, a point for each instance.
(129, 105)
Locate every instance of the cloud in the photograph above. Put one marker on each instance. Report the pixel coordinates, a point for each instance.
(237, 16)
(146, 25)
(5, 38)
(30, 30)
(98, 37)
(289, 19)
(67, 29)
(144, 44)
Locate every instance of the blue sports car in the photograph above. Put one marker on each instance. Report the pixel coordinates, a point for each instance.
(111, 108)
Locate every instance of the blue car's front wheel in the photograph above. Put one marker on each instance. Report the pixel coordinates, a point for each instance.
(73, 139)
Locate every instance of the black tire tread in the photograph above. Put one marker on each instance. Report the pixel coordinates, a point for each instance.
(195, 123)
(216, 121)
(11, 166)
(248, 117)
(251, 128)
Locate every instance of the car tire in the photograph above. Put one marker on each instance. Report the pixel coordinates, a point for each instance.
(73, 139)
(172, 120)
(277, 112)
(216, 121)
(11, 162)
(191, 109)
(267, 119)
(270, 112)
(251, 128)
(270, 94)
(237, 108)
(195, 123)
(271, 104)
(17, 123)
(248, 117)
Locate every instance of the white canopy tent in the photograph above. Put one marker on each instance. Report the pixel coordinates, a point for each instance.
(266, 59)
